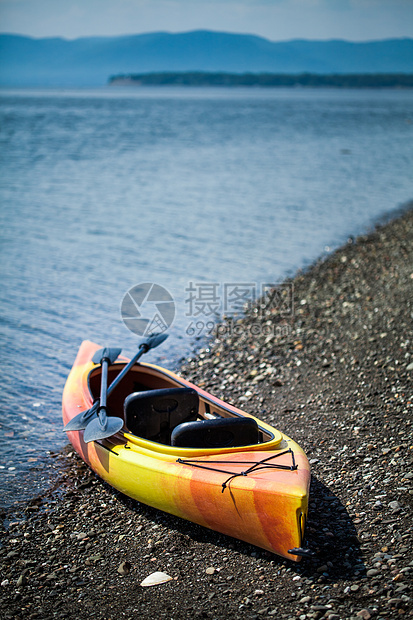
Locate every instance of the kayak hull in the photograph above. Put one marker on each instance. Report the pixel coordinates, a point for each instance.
(258, 494)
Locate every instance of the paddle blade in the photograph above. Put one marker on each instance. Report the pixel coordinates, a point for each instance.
(79, 422)
(106, 353)
(153, 341)
(94, 430)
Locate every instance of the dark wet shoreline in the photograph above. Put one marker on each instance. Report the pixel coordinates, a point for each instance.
(336, 376)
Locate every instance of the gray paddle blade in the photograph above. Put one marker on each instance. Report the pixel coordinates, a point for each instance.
(110, 354)
(79, 422)
(94, 430)
(154, 341)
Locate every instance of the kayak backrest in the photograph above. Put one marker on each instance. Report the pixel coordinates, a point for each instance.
(219, 433)
(153, 414)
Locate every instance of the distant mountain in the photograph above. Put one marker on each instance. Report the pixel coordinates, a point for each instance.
(90, 61)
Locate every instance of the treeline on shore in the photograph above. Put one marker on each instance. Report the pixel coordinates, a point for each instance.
(202, 78)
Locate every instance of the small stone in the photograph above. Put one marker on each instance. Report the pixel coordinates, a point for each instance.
(319, 608)
(259, 378)
(364, 613)
(210, 570)
(155, 579)
(124, 568)
(395, 507)
(305, 599)
(22, 580)
(354, 587)
(410, 366)
(373, 572)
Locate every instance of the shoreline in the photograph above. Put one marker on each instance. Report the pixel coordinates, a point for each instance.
(262, 79)
(339, 383)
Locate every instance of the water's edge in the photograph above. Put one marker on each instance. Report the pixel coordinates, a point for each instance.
(52, 468)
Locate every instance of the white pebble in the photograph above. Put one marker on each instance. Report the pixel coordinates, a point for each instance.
(155, 579)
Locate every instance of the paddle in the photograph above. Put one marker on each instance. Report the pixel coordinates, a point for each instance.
(103, 426)
(81, 421)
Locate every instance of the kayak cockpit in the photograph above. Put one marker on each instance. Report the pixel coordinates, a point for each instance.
(171, 416)
(155, 414)
(160, 409)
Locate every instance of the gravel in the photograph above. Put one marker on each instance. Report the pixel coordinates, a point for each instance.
(337, 377)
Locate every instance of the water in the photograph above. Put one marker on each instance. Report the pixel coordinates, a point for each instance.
(106, 189)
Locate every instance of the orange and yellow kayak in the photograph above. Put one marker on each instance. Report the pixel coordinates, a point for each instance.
(190, 466)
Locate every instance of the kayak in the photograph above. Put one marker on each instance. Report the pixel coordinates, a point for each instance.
(188, 453)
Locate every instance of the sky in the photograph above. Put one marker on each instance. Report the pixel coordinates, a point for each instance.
(277, 20)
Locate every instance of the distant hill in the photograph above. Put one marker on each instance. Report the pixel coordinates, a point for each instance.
(90, 61)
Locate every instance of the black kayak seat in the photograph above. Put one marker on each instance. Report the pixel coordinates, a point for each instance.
(152, 414)
(216, 433)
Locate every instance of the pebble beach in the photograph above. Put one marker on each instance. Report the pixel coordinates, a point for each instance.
(333, 370)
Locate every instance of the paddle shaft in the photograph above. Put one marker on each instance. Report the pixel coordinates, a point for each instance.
(104, 384)
(102, 426)
(142, 349)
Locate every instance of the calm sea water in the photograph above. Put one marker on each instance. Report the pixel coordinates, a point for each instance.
(103, 190)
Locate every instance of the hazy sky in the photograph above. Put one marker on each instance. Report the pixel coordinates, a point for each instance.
(275, 19)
